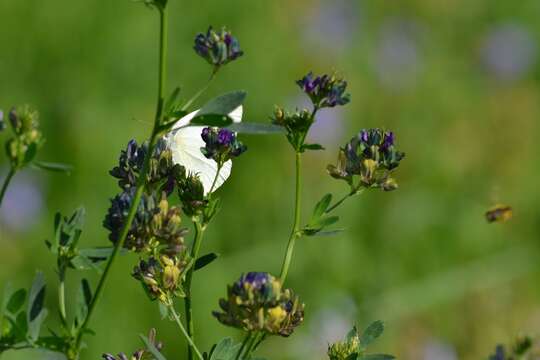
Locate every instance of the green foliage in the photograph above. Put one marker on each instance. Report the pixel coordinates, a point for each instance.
(216, 111)
(205, 260)
(354, 346)
(319, 221)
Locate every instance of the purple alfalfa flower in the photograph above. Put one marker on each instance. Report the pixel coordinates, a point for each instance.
(225, 137)
(221, 144)
(205, 134)
(218, 48)
(324, 91)
(308, 83)
(255, 279)
(388, 140)
(363, 136)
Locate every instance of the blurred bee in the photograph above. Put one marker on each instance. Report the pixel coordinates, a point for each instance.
(499, 213)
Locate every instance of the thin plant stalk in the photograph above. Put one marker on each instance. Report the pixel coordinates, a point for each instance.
(200, 92)
(7, 180)
(185, 333)
(353, 192)
(199, 232)
(62, 297)
(243, 346)
(295, 232)
(141, 181)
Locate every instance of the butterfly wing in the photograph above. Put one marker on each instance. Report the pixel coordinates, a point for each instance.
(186, 143)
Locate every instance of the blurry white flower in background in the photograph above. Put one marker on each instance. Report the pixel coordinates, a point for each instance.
(437, 350)
(23, 202)
(397, 60)
(508, 51)
(332, 25)
(328, 325)
(329, 127)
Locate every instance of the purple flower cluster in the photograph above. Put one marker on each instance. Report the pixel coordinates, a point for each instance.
(325, 90)
(371, 155)
(221, 144)
(218, 48)
(131, 162)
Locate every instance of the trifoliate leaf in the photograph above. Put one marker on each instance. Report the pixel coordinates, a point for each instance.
(372, 332)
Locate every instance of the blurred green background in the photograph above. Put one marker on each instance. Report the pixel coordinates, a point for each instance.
(459, 83)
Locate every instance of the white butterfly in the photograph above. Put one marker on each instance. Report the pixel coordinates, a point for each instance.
(185, 143)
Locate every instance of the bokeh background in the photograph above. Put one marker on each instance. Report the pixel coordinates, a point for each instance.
(459, 83)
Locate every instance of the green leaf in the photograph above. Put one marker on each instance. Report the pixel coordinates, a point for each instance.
(217, 120)
(97, 254)
(256, 128)
(163, 310)
(226, 349)
(224, 104)
(372, 332)
(30, 153)
(327, 233)
(54, 167)
(81, 262)
(36, 297)
(205, 260)
(377, 357)
(150, 347)
(5, 299)
(36, 313)
(21, 325)
(16, 301)
(321, 207)
(84, 298)
(312, 147)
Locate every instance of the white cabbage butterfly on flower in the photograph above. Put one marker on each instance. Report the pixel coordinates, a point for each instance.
(186, 142)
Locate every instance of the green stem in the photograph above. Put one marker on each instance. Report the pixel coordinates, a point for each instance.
(353, 192)
(62, 297)
(215, 180)
(199, 232)
(141, 181)
(250, 347)
(185, 333)
(200, 92)
(241, 350)
(263, 336)
(7, 180)
(295, 233)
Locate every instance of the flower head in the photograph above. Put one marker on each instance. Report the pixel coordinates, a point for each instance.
(161, 277)
(27, 139)
(131, 162)
(372, 156)
(257, 302)
(221, 145)
(325, 90)
(191, 192)
(156, 224)
(296, 124)
(218, 48)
